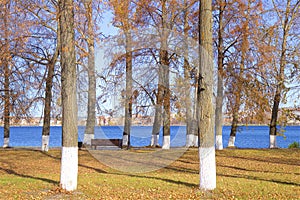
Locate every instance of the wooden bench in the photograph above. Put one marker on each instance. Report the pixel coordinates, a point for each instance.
(106, 143)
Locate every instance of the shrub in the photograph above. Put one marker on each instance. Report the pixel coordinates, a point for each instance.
(294, 145)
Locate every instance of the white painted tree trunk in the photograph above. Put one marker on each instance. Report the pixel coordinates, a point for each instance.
(219, 142)
(87, 139)
(205, 105)
(231, 141)
(207, 168)
(189, 140)
(195, 141)
(45, 142)
(166, 142)
(154, 140)
(125, 140)
(69, 168)
(273, 141)
(6, 143)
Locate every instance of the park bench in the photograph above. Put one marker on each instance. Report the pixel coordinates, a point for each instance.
(106, 143)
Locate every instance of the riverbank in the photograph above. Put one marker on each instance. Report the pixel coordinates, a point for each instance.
(241, 174)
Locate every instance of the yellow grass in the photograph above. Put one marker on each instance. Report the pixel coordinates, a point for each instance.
(241, 174)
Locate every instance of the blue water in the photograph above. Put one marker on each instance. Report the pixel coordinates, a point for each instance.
(247, 137)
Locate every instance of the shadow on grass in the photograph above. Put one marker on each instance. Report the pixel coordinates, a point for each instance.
(161, 179)
(10, 171)
(252, 170)
(182, 170)
(257, 178)
(80, 165)
(98, 170)
(286, 161)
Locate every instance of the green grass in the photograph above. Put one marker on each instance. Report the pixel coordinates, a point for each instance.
(241, 174)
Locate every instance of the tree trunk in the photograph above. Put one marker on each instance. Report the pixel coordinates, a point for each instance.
(48, 97)
(128, 96)
(274, 116)
(47, 107)
(6, 114)
(188, 106)
(280, 86)
(187, 86)
(6, 104)
(238, 87)
(195, 119)
(219, 99)
(164, 61)
(166, 102)
(158, 110)
(91, 118)
(234, 126)
(205, 99)
(69, 157)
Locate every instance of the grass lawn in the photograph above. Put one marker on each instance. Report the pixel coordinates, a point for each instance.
(241, 174)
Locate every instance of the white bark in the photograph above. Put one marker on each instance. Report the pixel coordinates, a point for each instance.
(207, 168)
(273, 141)
(195, 141)
(231, 141)
(6, 143)
(189, 140)
(87, 138)
(219, 142)
(154, 140)
(125, 140)
(45, 142)
(69, 168)
(166, 142)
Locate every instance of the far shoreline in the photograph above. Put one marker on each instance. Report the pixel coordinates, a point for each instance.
(179, 125)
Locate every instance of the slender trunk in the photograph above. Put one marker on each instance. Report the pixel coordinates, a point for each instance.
(237, 101)
(188, 106)
(6, 80)
(219, 99)
(205, 112)
(234, 126)
(274, 116)
(280, 79)
(47, 108)
(91, 118)
(166, 102)
(238, 87)
(6, 105)
(194, 127)
(164, 61)
(158, 110)
(69, 158)
(187, 86)
(128, 96)
(48, 97)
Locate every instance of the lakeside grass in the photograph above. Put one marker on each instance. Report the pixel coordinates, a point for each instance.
(241, 174)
